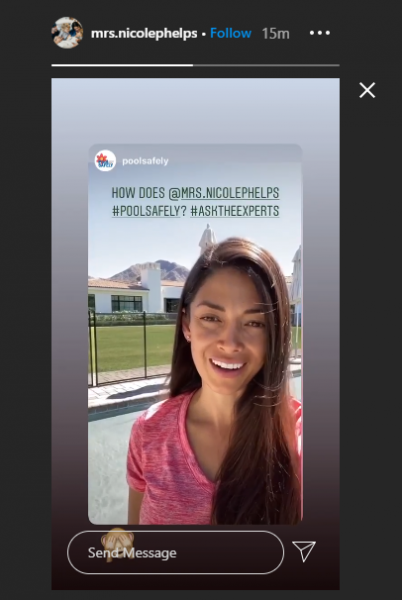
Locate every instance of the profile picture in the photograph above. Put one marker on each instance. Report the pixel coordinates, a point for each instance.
(67, 32)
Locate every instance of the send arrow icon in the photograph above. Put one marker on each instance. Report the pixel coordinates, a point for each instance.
(305, 548)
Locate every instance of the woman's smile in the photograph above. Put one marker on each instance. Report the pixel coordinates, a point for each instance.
(226, 368)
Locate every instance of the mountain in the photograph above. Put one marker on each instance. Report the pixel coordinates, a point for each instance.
(131, 274)
(170, 271)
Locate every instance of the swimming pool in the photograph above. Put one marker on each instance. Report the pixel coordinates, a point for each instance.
(107, 451)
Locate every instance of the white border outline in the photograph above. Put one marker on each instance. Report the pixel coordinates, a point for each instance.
(179, 531)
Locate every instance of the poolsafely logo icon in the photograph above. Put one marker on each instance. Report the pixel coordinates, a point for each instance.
(105, 160)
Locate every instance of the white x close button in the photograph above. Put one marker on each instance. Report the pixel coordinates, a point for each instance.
(367, 90)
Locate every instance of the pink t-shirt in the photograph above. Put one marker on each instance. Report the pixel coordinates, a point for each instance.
(162, 464)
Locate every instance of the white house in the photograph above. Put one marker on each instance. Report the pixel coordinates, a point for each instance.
(295, 308)
(152, 294)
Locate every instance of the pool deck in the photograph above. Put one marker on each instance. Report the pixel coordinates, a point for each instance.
(141, 392)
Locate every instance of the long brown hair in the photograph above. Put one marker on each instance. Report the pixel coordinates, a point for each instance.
(259, 479)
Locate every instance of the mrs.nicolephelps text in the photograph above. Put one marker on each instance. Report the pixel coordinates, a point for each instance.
(198, 193)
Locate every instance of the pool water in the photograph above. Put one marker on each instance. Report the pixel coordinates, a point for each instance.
(107, 452)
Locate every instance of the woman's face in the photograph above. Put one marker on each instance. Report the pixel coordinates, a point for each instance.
(227, 332)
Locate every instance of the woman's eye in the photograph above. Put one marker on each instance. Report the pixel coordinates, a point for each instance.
(210, 319)
(256, 324)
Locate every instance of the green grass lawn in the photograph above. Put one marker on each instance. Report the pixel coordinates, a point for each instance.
(299, 335)
(121, 348)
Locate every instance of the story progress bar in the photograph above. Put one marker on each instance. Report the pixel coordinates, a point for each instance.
(190, 65)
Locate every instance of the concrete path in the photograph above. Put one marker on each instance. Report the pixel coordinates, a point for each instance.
(142, 391)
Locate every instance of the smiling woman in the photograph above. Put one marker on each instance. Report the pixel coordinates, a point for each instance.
(225, 447)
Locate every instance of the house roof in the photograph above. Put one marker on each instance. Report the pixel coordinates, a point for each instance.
(127, 285)
(117, 285)
(166, 282)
